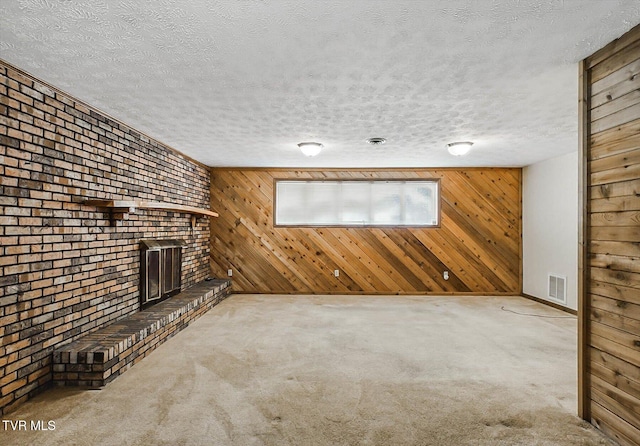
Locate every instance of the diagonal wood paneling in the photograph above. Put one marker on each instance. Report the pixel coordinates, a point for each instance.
(610, 297)
(478, 242)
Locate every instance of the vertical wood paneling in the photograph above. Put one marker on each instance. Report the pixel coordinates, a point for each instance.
(479, 240)
(610, 294)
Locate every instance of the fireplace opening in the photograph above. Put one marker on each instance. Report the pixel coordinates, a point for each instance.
(160, 270)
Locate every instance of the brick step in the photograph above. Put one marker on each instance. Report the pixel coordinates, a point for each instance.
(99, 357)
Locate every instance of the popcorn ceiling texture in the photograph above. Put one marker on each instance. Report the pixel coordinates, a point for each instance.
(240, 83)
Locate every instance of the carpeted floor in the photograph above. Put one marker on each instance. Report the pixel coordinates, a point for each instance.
(338, 370)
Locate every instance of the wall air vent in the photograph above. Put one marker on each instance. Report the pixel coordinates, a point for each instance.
(558, 288)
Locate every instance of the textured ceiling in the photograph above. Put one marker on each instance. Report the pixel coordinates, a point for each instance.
(241, 82)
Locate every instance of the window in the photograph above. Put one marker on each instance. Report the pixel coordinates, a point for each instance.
(357, 203)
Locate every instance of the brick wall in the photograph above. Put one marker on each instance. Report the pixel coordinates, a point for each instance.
(64, 271)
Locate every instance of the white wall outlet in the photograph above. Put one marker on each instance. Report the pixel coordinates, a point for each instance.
(446, 275)
(336, 273)
(229, 272)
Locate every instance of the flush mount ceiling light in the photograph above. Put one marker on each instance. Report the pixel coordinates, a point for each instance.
(310, 148)
(376, 141)
(459, 148)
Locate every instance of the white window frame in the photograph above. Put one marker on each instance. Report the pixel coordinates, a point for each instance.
(339, 198)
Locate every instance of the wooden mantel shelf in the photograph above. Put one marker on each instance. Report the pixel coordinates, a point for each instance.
(124, 207)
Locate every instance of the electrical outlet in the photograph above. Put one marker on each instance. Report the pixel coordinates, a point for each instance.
(446, 275)
(229, 272)
(336, 273)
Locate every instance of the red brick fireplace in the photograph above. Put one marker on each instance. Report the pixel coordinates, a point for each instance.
(65, 269)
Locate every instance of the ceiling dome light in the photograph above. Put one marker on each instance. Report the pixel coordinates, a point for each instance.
(459, 148)
(310, 148)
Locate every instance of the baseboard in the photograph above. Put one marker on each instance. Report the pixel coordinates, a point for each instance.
(551, 304)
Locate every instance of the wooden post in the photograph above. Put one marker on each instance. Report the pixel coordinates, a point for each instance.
(583, 203)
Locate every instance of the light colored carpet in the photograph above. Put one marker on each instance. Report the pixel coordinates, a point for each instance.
(338, 370)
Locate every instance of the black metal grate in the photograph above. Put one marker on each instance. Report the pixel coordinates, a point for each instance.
(160, 270)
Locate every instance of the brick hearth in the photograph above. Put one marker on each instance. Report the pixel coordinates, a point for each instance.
(99, 357)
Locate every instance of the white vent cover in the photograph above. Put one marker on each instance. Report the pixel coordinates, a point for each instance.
(558, 288)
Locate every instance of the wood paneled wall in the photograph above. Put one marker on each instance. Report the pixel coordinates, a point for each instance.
(610, 294)
(478, 242)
